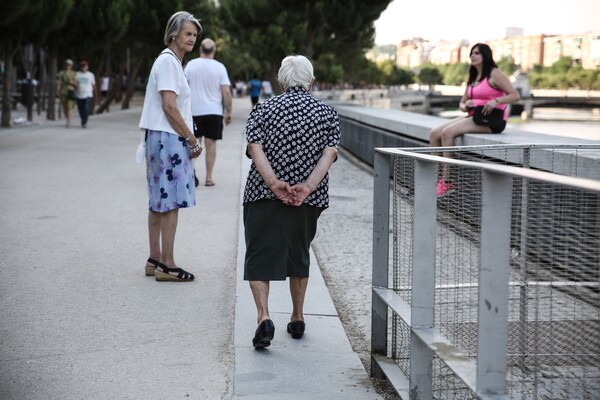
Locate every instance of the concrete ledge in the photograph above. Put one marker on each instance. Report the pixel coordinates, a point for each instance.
(365, 128)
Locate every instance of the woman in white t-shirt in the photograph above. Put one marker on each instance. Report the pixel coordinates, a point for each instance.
(170, 146)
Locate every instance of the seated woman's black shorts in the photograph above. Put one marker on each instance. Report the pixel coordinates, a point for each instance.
(278, 239)
(498, 127)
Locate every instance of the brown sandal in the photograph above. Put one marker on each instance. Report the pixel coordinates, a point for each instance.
(164, 273)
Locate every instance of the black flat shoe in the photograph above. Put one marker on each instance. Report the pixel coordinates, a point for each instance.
(264, 334)
(296, 328)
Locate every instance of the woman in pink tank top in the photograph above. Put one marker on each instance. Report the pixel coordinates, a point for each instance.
(488, 87)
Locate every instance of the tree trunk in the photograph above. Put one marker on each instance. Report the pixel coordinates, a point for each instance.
(131, 85)
(6, 87)
(51, 87)
(118, 84)
(106, 103)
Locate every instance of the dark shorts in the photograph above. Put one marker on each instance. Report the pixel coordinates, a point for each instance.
(209, 126)
(278, 239)
(498, 127)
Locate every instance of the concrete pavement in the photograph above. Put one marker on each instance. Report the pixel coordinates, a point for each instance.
(80, 320)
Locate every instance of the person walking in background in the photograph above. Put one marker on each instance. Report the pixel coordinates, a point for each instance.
(67, 83)
(104, 88)
(170, 146)
(485, 101)
(293, 141)
(211, 95)
(267, 89)
(86, 87)
(240, 88)
(255, 87)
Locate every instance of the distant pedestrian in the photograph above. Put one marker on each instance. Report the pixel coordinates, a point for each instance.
(104, 88)
(86, 87)
(240, 88)
(211, 97)
(255, 87)
(67, 83)
(293, 141)
(267, 89)
(170, 145)
(486, 96)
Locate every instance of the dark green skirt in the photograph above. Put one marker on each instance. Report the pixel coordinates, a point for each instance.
(278, 239)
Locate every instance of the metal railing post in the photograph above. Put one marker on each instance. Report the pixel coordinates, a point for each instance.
(423, 277)
(492, 341)
(381, 250)
(524, 288)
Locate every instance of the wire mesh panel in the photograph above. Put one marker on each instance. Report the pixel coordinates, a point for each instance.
(555, 345)
(553, 324)
(401, 255)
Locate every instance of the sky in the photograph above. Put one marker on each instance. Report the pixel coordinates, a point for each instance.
(479, 21)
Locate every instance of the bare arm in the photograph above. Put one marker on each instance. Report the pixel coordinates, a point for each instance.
(280, 188)
(465, 101)
(302, 190)
(500, 81)
(169, 106)
(226, 91)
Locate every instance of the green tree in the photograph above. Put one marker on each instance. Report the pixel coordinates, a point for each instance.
(328, 70)
(562, 66)
(455, 74)
(27, 22)
(429, 75)
(55, 14)
(334, 34)
(403, 77)
(507, 65)
(394, 75)
(583, 78)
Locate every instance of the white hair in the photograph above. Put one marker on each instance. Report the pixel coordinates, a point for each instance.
(176, 22)
(295, 71)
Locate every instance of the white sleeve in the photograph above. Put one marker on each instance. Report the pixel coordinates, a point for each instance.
(224, 77)
(167, 75)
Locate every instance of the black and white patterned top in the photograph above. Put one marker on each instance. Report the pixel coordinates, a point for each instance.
(293, 129)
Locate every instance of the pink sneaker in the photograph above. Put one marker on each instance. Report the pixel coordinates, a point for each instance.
(444, 188)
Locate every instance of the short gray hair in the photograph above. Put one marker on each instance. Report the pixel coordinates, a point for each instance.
(176, 22)
(295, 71)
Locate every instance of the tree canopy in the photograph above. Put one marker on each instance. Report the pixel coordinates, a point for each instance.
(122, 37)
(334, 34)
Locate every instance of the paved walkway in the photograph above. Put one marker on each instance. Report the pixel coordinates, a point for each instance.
(79, 318)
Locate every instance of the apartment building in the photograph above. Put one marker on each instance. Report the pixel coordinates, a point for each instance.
(527, 51)
(584, 49)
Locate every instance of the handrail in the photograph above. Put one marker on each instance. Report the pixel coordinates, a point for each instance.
(574, 182)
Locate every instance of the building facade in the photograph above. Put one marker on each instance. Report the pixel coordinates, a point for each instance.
(526, 51)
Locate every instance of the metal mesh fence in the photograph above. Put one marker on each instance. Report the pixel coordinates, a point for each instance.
(554, 285)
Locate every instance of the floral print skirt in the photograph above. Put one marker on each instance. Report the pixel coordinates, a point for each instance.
(170, 172)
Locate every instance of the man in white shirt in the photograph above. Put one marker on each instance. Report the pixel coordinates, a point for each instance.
(211, 95)
(86, 87)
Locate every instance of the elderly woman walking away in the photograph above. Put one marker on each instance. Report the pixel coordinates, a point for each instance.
(486, 96)
(170, 146)
(292, 140)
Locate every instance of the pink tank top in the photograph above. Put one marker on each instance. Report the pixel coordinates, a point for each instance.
(483, 92)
